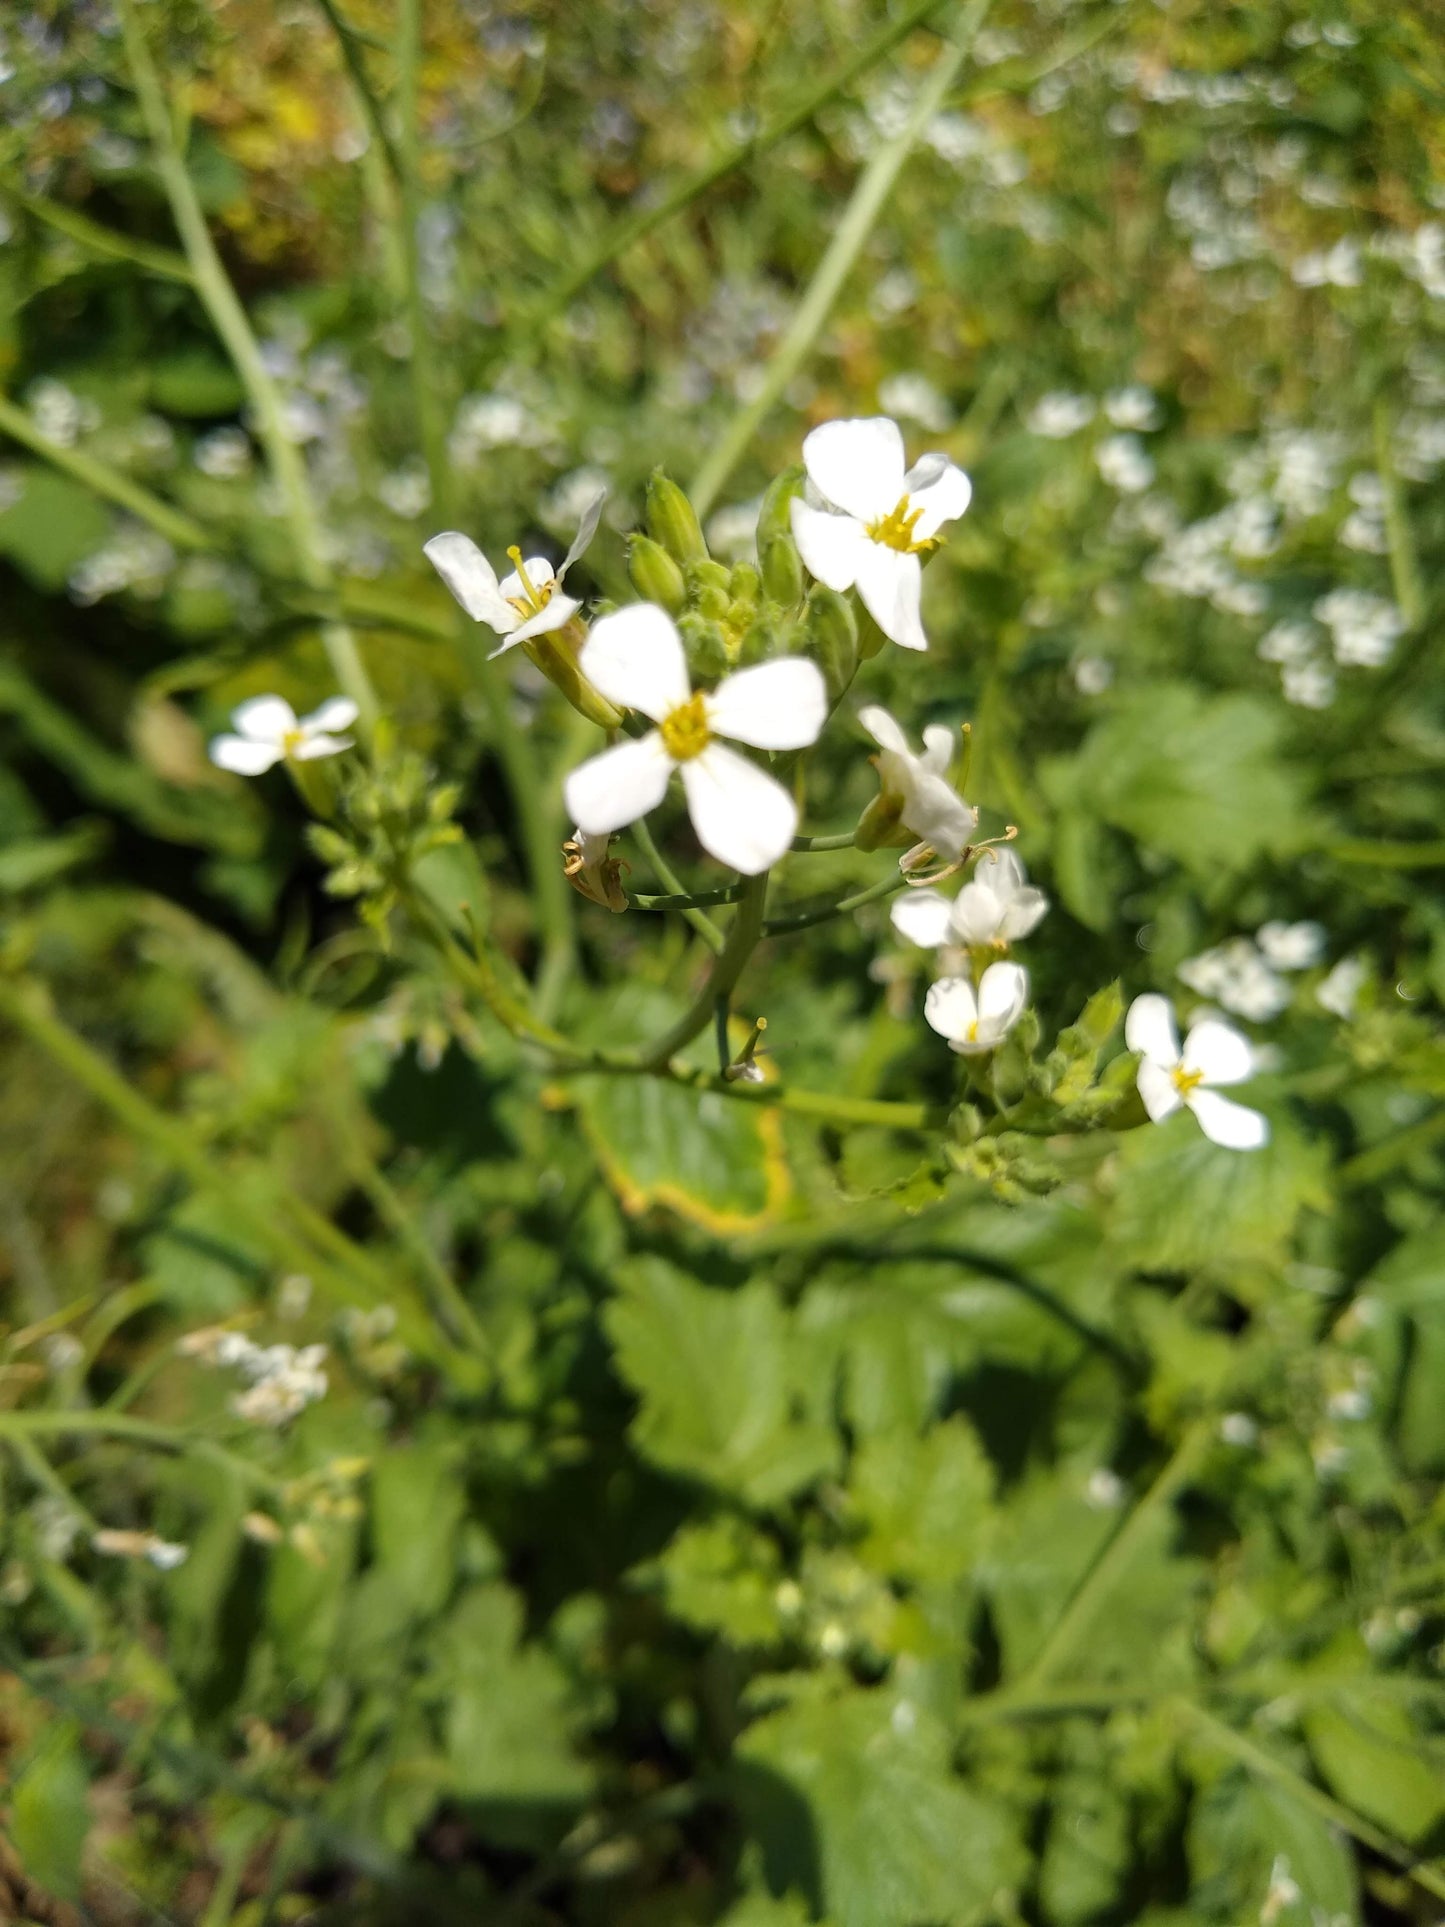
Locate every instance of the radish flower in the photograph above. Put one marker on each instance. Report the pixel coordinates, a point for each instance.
(742, 816)
(996, 907)
(526, 603)
(1213, 1053)
(866, 520)
(915, 789)
(972, 1020)
(268, 731)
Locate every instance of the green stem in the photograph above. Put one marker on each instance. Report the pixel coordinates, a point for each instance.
(1078, 1616)
(728, 965)
(702, 924)
(408, 159)
(870, 197)
(804, 919)
(111, 484)
(1389, 856)
(702, 899)
(98, 239)
(1366, 1167)
(1404, 563)
(103, 1423)
(230, 321)
(1266, 1767)
(350, 43)
(843, 841)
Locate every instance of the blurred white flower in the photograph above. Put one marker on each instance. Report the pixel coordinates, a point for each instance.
(1235, 975)
(1134, 407)
(224, 453)
(1060, 414)
(972, 1020)
(1290, 641)
(406, 491)
(162, 1553)
(995, 908)
(1125, 463)
(1340, 991)
(526, 603)
(1291, 946)
(1308, 685)
(742, 816)
(915, 399)
(1169, 1077)
(1341, 266)
(917, 787)
(1363, 628)
(267, 730)
(871, 519)
(1093, 675)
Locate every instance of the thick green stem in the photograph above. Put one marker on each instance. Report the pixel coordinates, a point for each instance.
(694, 917)
(231, 323)
(817, 844)
(870, 197)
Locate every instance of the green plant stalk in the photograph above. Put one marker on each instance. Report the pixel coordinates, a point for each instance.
(815, 845)
(1404, 562)
(869, 198)
(700, 900)
(1369, 1166)
(1112, 1564)
(804, 919)
(742, 939)
(349, 42)
(407, 158)
(98, 239)
(692, 915)
(21, 1427)
(1390, 856)
(230, 321)
(111, 484)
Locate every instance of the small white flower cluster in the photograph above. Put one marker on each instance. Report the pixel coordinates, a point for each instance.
(1059, 414)
(224, 453)
(1243, 974)
(1363, 529)
(135, 559)
(283, 1379)
(1340, 266)
(60, 416)
(995, 909)
(1363, 628)
(499, 419)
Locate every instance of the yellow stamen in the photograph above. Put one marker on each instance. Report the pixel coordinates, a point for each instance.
(972, 1037)
(684, 730)
(895, 530)
(532, 601)
(291, 741)
(1186, 1081)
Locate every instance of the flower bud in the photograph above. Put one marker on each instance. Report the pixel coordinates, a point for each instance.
(655, 576)
(832, 638)
(706, 645)
(672, 521)
(744, 584)
(555, 654)
(708, 575)
(782, 570)
(775, 515)
(881, 824)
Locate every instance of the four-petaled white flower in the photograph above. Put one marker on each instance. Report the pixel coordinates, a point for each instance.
(1213, 1053)
(872, 520)
(972, 1020)
(996, 907)
(526, 603)
(917, 787)
(743, 816)
(268, 730)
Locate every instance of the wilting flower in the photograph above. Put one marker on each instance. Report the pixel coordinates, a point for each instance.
(162, 1553)
(976, 1021)
(996, 907)
(915, 789)
(526, 603)
(268, 731)
(590, 870)
(870, 520)
(1213, 1053)
(742, 816)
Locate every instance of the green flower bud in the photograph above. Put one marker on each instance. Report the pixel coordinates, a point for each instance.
(775, 517)
(713, 603)
(655, 576)
(706, 645)
(745, 582)
(880, 826)
(555, 654)
(708, 575)
(832, 638)
(672, 521)
(782, 570)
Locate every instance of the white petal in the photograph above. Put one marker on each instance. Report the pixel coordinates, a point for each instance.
(977, 913)
(559, 610)
(1219, 1052)
(338, 712)
(857, 465)
(924, 917)
(243, 757)
(951, 1008)
(743, 816)
(539, 573)
(1025, 909)
(1158, 1090)
(937, 748)
(1149, 1028)
(618, 786)
(882, 728)
(265, 719)
(891, 586)
(319, 744)
(938, 815)
(635, 659)
(1002, 993)
(471, 579)
(1224, 1122)
(942, 491)
(1004, 871)
(832, 546)
(777, 705)
(586, 529)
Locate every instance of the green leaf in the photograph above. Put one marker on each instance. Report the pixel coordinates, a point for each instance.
(1194, 777)
(1250, 1840)
(195, 383)
(53, 525)
(417, 1505)
(50, 1814)
(854, 1803)
(721, 1577)
(1370, 1755)
(1087, 1850)
(725, 1384)
(924, 1501)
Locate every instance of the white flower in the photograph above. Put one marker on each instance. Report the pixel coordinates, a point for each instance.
(268, 731)
(1290, 641)
(917, 787)
(915, 398)
(1364, 628)
(1340, 991)
(526, 603)
(1059, 414)
(873, 519)
(1291, 946)
(742, 816)
(1132, 407)
(978, 1021)
(1125, 463)
(1237, 976)
(1308, 685)
(1213, 1053)
(994, 909)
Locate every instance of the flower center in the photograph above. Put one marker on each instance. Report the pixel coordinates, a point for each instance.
(895, 530)
(684, 730)
(532, 601)
(972, 1037)
(1186, 1081)
(291, 741)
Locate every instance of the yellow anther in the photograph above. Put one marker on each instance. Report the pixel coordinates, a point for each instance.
(684, 730)
(1186, 1081)
(532, 601)
(895, 530)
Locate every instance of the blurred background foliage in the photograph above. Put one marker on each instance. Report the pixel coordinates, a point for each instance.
(717, 1514)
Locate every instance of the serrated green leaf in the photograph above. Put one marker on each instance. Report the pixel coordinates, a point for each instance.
(720, 1576)
(925, 1502)
(1087, 1848)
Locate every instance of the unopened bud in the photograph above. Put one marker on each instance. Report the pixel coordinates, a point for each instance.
(655, 576)
(555, 654)
(881, 824)
(672, 521)
(833, 638)
(713, 602)
(704, 575)
(775, 515)
(744, 584)
(706, 644)
(782, 570)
